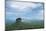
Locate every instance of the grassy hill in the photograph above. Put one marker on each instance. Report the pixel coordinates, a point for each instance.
(25, 25)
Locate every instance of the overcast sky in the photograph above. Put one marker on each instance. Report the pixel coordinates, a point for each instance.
(24, 10)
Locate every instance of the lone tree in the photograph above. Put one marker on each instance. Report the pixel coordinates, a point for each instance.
(18, 20)
(18, 24)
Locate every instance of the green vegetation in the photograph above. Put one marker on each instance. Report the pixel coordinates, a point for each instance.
(24, 25)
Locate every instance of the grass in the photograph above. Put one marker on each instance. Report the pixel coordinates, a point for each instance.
(24, 25)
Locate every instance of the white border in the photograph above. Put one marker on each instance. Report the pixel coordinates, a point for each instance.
(45, 14)
(2, 21)
(2, 17)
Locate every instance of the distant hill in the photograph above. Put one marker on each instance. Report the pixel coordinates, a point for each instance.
(25, 21)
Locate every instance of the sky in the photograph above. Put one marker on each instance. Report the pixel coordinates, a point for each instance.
(24, 10)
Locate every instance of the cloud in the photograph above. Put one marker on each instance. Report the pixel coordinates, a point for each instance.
(23, 5)
(38, 15)
(24, 10)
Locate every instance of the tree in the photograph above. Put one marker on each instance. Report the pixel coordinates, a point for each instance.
(18, 20)
(18, 23)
